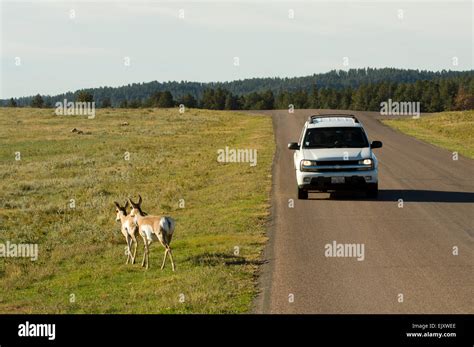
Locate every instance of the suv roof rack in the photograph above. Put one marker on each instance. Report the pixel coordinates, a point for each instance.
(311, 119)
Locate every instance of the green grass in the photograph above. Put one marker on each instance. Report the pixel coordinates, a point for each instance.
(451, 130)
(81, 250)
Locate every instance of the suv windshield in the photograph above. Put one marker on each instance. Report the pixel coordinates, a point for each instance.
(337, 137)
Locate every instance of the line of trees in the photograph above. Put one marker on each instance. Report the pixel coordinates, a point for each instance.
(434, 96)
(336, 79)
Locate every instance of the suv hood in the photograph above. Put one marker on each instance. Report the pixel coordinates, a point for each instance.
(336, 153)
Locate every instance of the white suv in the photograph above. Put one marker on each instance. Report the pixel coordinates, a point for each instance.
(333, 153)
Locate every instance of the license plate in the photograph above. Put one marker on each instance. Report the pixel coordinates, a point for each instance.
(337, 180)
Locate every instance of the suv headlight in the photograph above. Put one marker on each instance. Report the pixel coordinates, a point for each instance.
(369, 163)
(307, 163)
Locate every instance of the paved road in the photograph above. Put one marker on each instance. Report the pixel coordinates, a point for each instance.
(408, 250)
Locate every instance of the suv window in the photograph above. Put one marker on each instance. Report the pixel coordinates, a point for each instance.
(335, 137)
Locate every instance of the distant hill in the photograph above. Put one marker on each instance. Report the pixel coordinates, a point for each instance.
(335, 79)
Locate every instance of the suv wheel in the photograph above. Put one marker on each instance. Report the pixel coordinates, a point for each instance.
(373, 190)
(302, 194)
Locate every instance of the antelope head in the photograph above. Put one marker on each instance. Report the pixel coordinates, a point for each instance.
(136, 207)
(120, 210)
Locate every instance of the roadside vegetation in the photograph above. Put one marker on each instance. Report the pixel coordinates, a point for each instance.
(60, 195)
(451, 130)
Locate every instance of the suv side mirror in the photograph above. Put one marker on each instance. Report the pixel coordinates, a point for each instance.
(293, 146)
(376, 144)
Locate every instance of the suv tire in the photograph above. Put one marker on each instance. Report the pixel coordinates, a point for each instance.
(373, 190)
(302, 194)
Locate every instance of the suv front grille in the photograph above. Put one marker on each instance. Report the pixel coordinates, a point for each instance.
(336, 162)
(336, 165)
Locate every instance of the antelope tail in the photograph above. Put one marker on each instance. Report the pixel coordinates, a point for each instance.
(167, 225)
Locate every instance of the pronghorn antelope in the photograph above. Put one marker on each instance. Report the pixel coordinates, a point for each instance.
(152, 228)
(129, 230)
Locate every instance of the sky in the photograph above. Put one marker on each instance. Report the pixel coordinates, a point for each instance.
(51, 47)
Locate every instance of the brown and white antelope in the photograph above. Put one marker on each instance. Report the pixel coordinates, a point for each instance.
(129, 230)
(153, 228)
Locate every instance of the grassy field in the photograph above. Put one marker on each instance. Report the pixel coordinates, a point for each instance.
(450, 130)
(81, 267)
